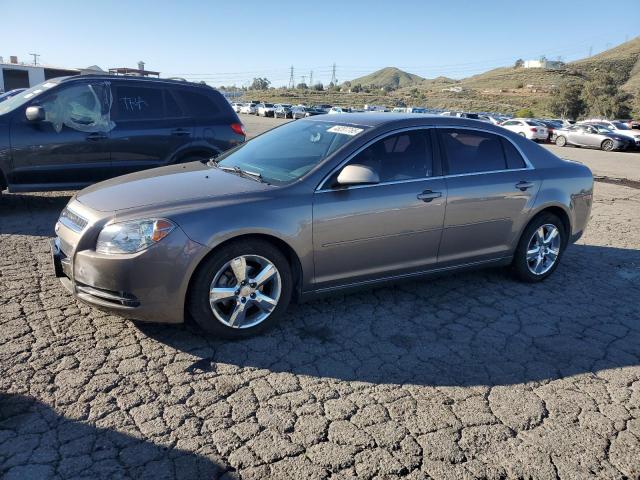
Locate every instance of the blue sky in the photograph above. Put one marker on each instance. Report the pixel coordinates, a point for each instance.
(232, 42)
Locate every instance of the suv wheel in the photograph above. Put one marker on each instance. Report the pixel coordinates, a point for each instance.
(540, 248)
(241, 290)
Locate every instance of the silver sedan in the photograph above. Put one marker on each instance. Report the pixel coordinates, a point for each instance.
(317, 205)
(594, 136)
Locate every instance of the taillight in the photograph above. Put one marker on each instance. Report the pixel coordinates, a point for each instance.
(239, 129)
(533, 129)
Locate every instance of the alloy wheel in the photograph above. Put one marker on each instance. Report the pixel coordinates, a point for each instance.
(245, 291)
(543, 249)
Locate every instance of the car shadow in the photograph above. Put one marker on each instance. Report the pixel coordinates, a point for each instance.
(475, 328)
(39, 443)
(31, 214)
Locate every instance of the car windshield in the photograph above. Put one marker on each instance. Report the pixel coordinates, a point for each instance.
(22, 98)
(286, 153)
(620, 126)
(602, 129)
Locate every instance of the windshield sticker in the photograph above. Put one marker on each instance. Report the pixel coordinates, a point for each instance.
(344, 130)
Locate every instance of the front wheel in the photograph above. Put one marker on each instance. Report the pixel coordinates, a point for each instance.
(540, 248)
(607, 145)
(561, 141)
(241, 290)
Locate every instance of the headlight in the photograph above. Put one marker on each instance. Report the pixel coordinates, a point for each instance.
(131, 237)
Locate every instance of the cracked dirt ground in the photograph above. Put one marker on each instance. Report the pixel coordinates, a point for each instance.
(466, 376)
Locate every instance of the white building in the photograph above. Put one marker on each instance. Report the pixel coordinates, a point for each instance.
(19, 75)
(543, 63)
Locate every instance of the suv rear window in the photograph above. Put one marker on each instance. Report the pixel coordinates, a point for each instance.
(197, 104)
(138, 103)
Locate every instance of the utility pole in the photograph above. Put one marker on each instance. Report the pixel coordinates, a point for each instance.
(334, 80)
(35, 58)
(311, 78)
(291, 79)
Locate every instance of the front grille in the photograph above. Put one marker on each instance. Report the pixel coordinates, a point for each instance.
(72, 220)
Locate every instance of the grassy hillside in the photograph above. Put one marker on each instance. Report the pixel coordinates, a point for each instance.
(505, 89)
(388, 77)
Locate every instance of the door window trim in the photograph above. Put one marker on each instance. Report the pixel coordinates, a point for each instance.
(438, 156)
(434, 152)
(445, 161)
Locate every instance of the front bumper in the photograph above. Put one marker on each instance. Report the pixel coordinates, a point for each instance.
(150, 285)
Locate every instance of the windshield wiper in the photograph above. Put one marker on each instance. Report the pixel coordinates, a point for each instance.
(243, 173)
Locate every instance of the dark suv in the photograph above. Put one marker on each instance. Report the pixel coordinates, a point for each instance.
(69, 132)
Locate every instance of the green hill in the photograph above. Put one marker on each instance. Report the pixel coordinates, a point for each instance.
(388, 77)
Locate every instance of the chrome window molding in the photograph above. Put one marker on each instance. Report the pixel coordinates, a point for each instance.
(322, 189)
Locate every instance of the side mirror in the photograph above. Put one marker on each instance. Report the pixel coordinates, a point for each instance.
(357, 175)
(35, 114)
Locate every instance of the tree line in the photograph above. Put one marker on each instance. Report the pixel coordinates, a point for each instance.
(598, 97)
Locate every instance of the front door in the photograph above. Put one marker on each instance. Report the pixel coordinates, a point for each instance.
(388, 229)
(490, 189)
(70, 147)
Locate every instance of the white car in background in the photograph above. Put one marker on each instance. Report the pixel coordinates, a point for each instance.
(265, 109)
(236, 107)
(621, 128)
(334, 110)
(248, 108)
(527, 127)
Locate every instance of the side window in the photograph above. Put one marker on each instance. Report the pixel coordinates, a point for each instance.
(196, 104)
(138, 103)
(84, 107)
(403, 156)
(171, 105)
(514, 159)
(472, 151)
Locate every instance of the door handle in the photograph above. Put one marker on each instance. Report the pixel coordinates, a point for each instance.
(428, 195)
(524, 185)
(180, 132)
(96, 136)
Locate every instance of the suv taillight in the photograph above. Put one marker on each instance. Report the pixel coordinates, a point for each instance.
(533, 129)
(238, 128)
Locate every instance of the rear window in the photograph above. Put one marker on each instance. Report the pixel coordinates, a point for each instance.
(197, 104)
(174, 110)
(514, 159)
(473, 151)
(138, 103)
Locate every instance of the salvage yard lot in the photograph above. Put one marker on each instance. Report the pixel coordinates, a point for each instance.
(471, 375)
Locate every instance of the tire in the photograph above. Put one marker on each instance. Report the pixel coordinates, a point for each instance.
(607, 145)
(522, 134)
(253, 251)
(524, 267)
(561, 141)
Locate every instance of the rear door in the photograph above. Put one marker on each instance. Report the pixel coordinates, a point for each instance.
(391, 228)
(149, 126)
(490, 189)
(70, 147)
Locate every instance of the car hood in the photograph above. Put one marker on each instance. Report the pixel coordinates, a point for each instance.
(165, 185)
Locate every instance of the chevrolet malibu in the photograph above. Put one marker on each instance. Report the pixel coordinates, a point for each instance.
(322, 204)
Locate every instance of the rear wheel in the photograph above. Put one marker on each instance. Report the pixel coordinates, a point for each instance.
(241, 289)
(607, 145)
(561, 141)
(522, 134)
(540, 248)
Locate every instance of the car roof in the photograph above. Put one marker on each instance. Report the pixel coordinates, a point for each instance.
(131, 78)
(377, 119)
